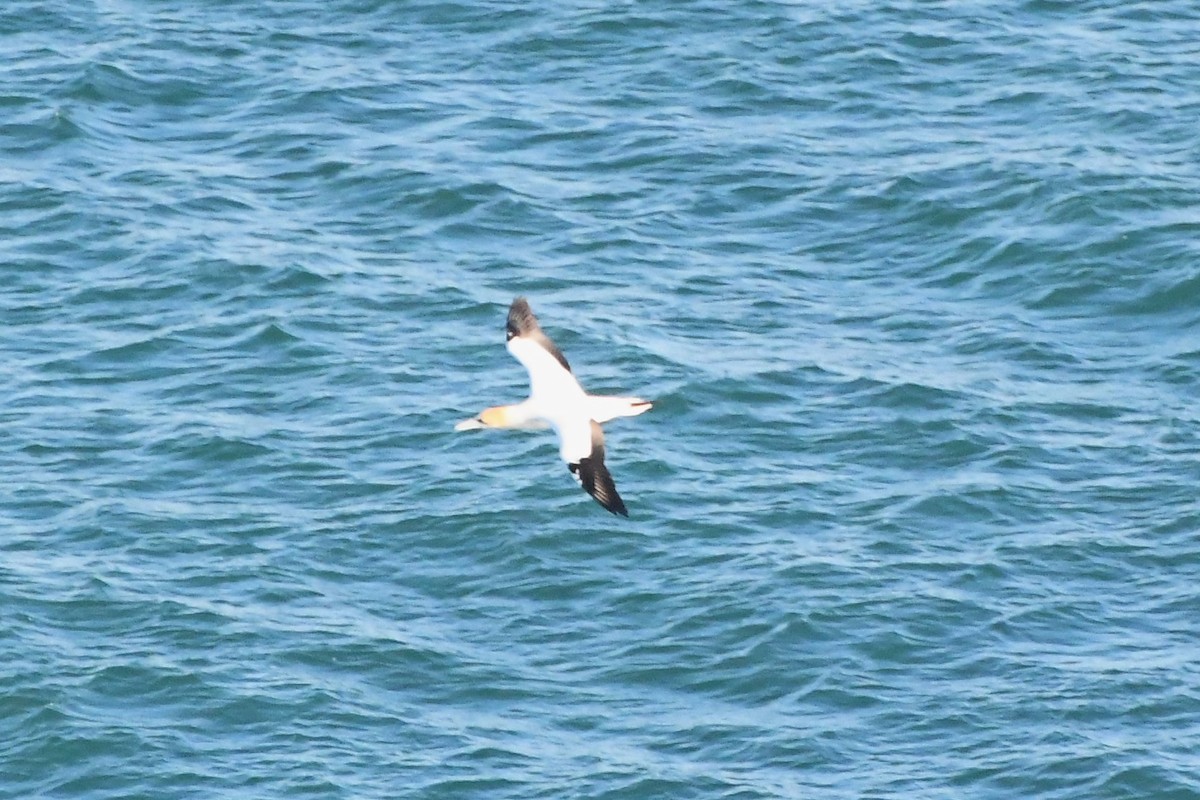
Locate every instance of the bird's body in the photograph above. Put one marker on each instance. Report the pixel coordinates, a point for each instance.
(556, 400)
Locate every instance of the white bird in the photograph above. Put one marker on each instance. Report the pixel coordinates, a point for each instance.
(556, 400)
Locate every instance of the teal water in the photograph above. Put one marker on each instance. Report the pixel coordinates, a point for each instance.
(916, 290)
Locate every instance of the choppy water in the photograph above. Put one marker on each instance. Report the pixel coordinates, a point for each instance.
(916, 288)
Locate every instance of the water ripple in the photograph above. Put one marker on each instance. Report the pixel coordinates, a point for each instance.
(914, 293)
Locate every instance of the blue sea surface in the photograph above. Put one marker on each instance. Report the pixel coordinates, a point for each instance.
(915, 289)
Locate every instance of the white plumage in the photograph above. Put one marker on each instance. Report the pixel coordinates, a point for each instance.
(557, 400)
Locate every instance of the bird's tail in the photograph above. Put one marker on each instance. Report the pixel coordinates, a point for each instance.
(604, 409)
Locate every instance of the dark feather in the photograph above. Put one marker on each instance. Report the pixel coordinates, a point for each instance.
(594, 477)
(522, 322)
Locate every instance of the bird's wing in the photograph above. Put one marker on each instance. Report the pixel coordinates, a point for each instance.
(550, 377)
(524, 325)
(589, 469)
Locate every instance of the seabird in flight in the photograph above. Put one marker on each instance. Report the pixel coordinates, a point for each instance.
(556, 400)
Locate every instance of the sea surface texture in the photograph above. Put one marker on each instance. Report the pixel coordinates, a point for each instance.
(914, 287)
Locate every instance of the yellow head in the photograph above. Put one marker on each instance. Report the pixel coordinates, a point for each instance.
(494, 417)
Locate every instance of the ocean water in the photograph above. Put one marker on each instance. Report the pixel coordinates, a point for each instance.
(915, 288)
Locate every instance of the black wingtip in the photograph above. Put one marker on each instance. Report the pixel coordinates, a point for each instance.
(521, 321)
(595, 479)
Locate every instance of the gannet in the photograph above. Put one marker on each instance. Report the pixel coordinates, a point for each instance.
(556, 400)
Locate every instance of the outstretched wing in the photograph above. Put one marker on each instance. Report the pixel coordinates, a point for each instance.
(524, 325)
(594, 477)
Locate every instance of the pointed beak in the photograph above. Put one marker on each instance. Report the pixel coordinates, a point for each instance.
(471, 424)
